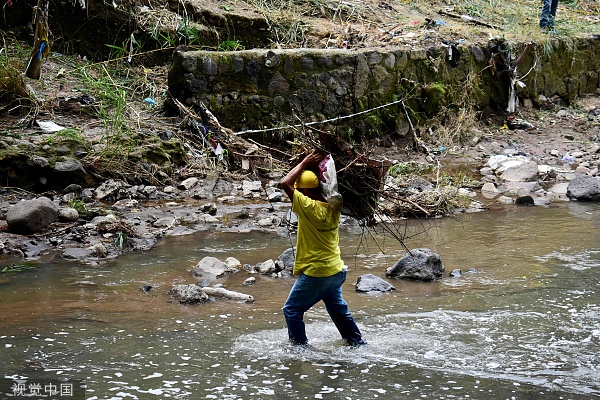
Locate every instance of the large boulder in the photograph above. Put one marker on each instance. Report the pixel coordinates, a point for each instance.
(31, 216)
(584, 187)
(420, 264)
(212, 268)
(188, 294)
(522, 172)
(370, 283)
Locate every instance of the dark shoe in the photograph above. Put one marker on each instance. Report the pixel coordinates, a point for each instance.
(356, 343)
(303, 345)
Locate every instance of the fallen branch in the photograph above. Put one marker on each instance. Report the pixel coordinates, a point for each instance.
(467, 18)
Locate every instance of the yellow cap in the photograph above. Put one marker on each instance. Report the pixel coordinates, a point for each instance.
(307, 180)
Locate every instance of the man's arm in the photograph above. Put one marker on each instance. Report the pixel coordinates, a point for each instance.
(287, 183)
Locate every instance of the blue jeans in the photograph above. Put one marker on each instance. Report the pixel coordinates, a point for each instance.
(307, 292)
(548, 13)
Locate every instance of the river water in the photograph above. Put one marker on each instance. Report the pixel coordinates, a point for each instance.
(524, 325)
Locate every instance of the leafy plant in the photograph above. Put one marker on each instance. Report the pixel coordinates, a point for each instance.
(78, 205)
(128, 48)
(230, 45)
(188, 33)
(18, 268)
(121, 238)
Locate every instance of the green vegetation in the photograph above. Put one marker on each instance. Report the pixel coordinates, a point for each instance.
(121, 239)
(79, 206)
(13, 91)
(18, 268)
(230, 45)
(66, 135)
(409, 168)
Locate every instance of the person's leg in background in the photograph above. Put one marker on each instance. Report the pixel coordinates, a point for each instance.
(545, 14)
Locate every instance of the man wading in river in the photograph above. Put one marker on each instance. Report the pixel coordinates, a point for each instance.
(319, 266)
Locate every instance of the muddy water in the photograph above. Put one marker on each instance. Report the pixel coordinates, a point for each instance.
(525, 325)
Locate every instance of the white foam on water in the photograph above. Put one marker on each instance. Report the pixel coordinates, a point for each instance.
(580, 261)
(499, 344)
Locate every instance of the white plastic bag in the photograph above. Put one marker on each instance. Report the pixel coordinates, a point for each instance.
(328, 182)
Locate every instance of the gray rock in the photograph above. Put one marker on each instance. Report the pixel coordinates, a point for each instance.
(68, 214)
(233, 263)
(489, 190)
(38, 161)
(188, 294)
(266, 267)
(288, 257)
(370, 283)
(72, 188)
(104, 219)
(170, 189)
(203, 283)
(268, 221)
(188, 183)
(109, 188)
(140, 244)
(146, 288)
(560, 188)
(275, 197)
(291, 218)
(420, 264)
(521, 188)
(30, 216)
(252, 186)
(77, 254)
(584, 187)
(249, 281)
(99, 250)
(211, 267)
(69, 165)
(505, 200)
(525, 172)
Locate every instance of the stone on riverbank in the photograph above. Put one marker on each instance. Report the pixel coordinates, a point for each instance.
(30, 216)
(68, 214)
(584, 187)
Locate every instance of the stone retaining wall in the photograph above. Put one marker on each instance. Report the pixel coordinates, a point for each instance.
(257, 89)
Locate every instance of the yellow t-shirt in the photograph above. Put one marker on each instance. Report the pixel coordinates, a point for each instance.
(317, 246)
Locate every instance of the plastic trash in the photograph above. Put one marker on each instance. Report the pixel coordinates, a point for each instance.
(49, 126)
(568, 159)
(150, 101)
(328, 182)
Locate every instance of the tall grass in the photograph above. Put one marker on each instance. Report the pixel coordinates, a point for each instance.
(13, 91)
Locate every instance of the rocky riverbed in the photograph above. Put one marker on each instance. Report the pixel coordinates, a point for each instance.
(547, 156)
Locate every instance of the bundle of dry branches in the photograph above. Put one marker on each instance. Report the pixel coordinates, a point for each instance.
(360, 177)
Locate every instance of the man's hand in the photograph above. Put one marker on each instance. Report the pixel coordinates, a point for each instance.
(312, 160)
